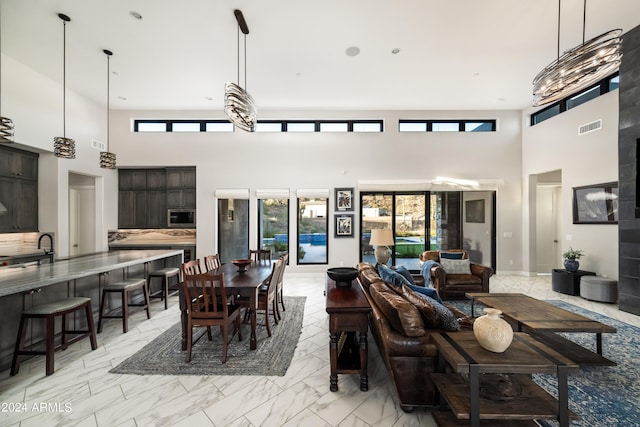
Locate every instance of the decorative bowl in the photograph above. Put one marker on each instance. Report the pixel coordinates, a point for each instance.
(342, 275)
(241, 264)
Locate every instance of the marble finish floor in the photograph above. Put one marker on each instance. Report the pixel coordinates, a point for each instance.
(82, 392)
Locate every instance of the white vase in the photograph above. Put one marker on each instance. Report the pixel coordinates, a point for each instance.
(492, 331)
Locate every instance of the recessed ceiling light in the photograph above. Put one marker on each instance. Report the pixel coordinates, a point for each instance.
(395, 51)
(352, 51)
(115, 73)
(208, 98)
(135, 14)
(122, 98)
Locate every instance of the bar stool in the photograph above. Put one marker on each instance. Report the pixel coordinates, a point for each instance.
(124, 288)
(49, 312)
(165, 274)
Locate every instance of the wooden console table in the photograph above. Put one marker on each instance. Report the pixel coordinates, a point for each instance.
(348, 311)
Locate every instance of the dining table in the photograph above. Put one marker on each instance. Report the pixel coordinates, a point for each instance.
(240, 281)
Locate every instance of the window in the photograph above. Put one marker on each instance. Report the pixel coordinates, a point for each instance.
(313, 223)
(185, 127)
(273, 226)
(605, 85)
(405, 214)
(446, 125)
(233, 229)
(174, 125)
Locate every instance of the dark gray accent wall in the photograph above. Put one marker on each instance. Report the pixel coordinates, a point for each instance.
(629, 178)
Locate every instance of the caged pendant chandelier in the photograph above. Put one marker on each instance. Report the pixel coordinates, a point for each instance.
(6, 124)
(107, 159)
(64, 147)
(579, 67)
(239, 106)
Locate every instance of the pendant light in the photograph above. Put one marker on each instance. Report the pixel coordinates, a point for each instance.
(107, 159)
(579, 67)
(64, 147)
(6, 124)
(239, 106)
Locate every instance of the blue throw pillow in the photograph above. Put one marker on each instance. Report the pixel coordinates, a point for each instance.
(430, 292)
(447, 318)
(406, 274)
(392, 276)
(451, 255)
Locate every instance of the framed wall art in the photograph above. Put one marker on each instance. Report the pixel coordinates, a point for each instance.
(343, 225)
(474, 211)
(596, 204)
(344, 199)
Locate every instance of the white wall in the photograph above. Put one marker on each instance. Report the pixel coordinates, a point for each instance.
(588, 159)
(330, 160)
(34, 102)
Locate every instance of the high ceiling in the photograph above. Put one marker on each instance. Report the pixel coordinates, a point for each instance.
(456, 54)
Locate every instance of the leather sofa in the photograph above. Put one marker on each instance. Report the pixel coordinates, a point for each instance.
(452, 286)
(409, 360)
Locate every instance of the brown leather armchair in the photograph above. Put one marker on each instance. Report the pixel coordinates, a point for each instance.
(452, 286)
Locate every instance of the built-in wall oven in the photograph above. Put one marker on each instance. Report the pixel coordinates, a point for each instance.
(181, 218)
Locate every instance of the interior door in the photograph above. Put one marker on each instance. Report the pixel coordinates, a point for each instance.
(547, 229)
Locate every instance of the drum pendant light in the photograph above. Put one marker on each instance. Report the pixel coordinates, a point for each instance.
(108, 159)
(239, 106)
(64, 147)
(6, 124)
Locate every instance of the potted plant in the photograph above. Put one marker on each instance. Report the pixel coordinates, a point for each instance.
(571, 258)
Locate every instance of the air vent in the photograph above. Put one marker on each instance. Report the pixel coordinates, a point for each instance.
(98, 145)
(590, 127)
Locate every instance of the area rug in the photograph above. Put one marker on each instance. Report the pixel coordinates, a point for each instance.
(602, 396)
(164, 356)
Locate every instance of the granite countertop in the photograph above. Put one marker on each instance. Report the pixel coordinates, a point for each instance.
(152, 242)
(16, 280)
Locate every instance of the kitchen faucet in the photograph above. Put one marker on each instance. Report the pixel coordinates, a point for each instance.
(49, 252)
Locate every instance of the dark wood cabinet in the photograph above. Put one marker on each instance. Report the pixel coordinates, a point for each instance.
(178, 178)
(132, 209)
(146, 194)
(18, 191)
(184, 199)
(156, 209)
(132, 179)
(156, 179)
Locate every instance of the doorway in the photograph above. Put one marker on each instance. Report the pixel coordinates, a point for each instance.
(82, 214)
(548, 226)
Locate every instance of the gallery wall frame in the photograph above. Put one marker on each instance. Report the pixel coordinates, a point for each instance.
(474, 211)
(596, 204)
(343, 226)
(344, 199)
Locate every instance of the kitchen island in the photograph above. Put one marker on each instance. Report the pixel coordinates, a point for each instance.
(24, 287)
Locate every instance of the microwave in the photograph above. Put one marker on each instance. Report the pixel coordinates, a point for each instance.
(185, 218)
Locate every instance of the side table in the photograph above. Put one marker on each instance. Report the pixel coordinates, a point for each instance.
(567, 282)
(525, 356)
(348, 310)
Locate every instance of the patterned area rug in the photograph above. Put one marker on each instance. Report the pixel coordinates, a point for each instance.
(602, 396)
(163, 355)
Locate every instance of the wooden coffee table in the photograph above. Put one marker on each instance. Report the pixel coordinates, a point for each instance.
(543, 320)
(525, 356)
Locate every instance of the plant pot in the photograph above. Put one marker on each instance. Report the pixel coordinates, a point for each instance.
(571, 265)
(492, 331)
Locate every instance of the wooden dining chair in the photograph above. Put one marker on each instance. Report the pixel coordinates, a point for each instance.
(266, 297)
(279, 285)
(260, 255)
(212, 262)
(207, 306)
(190, 268)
